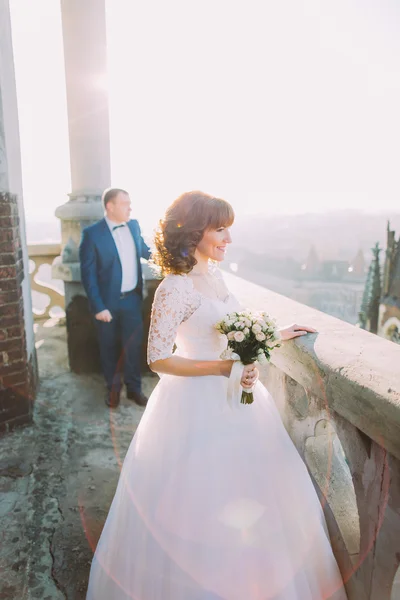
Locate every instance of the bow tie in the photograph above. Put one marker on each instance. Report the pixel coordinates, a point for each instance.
(118, 226)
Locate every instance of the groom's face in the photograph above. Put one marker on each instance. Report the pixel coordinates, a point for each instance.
(119, 209)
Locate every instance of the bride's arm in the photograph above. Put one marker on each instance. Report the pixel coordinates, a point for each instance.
(186, 367)
(172, 305)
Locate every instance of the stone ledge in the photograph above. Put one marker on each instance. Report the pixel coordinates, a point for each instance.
(81, 210)
(35, 250)
(355, 372)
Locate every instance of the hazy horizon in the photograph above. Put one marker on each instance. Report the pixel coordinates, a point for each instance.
(389, 214)
(336, 235)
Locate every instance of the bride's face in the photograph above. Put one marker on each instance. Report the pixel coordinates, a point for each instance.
(214, 243)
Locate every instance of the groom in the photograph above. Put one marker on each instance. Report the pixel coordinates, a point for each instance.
(110, 253)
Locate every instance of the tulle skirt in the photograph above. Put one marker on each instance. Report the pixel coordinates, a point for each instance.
(213, 503)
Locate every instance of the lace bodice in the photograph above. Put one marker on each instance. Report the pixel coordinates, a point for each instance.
(183, 316)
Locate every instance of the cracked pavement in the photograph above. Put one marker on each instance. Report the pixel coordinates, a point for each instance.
(58, 477)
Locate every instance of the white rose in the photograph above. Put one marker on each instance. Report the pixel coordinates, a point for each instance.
(262, 359)
(246, 331)
(247, 322)
(228, 354)
(231, 335)
(256, 328)
(239, 336)
(267, 318)
(260, 337)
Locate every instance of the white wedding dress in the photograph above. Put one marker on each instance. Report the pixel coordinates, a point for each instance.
(213, 501)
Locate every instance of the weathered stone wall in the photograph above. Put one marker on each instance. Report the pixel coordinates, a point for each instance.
(338, 392)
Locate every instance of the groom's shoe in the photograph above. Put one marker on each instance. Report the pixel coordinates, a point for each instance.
(137, 397)
(112, 398)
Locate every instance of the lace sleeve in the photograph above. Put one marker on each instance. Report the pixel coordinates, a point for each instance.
(173, 304)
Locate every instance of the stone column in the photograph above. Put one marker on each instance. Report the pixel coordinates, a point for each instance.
(84, 37)
(18, 369)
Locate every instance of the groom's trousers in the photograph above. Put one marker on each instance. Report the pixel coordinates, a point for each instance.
(120, 343)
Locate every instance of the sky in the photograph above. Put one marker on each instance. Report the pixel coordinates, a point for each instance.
(280, 107)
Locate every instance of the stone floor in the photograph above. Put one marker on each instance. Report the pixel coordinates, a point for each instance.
(58, 478)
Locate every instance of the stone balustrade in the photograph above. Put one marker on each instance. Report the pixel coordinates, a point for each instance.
(47, 293)
(338, 392)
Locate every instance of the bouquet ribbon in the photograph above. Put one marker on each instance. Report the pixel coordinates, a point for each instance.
(234, 388)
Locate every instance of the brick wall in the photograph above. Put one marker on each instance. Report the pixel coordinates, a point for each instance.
(17, 371)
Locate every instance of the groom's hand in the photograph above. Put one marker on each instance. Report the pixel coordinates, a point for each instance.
(104, 316)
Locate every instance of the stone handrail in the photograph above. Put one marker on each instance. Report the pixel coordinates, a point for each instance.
(338, 392)
(39, 255)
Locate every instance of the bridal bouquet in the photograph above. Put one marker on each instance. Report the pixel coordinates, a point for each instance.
(251, 337)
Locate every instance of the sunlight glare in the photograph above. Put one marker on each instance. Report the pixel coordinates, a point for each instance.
(280, 108)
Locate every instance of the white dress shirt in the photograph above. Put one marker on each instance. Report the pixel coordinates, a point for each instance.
(127, 254)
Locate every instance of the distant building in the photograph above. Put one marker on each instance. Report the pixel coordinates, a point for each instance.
(369, 310)
(389, 311)
(358, 266)
(333, 270)
(380, 308)
(312, 265)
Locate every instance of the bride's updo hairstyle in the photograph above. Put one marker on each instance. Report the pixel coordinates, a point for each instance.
(183, 226)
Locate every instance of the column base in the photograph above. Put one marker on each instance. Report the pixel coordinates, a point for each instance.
(83, 346)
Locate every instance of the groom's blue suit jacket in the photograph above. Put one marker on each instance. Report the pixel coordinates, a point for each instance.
(101, 268)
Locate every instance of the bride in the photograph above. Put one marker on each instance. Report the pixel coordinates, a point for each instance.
(213, 501)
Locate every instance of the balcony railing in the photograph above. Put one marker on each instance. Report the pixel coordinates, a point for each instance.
(47, 293)
(339, 396)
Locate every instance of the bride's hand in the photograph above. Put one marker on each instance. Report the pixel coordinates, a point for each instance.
(293, 331)
(249, 376)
